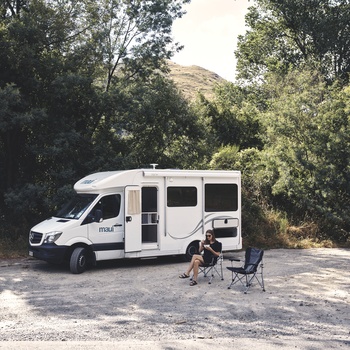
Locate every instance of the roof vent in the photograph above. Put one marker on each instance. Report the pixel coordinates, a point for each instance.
(154, 165)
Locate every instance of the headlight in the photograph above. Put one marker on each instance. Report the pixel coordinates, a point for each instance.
(52, 236)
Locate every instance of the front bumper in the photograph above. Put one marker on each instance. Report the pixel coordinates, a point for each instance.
(49, 252)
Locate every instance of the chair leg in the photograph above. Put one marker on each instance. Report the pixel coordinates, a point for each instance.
(248, 283)
(236, 279)
(222, 273)
(262, 277)
(261, 283)
(212, 270)
(232, 282)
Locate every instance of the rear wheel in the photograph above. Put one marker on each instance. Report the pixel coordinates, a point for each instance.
(78, 260)
(191, 250)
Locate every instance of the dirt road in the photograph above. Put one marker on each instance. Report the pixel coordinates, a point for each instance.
(133, 304)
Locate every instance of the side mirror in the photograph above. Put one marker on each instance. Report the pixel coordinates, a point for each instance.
(98, 216)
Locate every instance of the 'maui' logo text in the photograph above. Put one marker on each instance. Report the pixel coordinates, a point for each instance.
(106, 229)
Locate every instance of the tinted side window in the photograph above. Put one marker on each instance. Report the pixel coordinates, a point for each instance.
(182, 196)
(110, 206)
(149, 199)
(221, 197)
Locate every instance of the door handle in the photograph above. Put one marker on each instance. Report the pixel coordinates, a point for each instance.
(117, 225)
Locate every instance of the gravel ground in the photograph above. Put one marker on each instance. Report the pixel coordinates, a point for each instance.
(131, 304)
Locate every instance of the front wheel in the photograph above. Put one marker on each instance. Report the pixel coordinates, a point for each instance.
(78, 260)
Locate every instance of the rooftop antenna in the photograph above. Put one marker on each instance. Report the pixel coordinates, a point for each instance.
(154, 165)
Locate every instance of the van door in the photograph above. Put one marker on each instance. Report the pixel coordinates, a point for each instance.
(150, 217)
(132, 219)
(106, 234)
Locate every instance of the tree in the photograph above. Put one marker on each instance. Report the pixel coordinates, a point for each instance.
(48, 104)
(291, 33)
(308, 140)
(152, 122)
(59, 62)
(134, 35)
(232, 116)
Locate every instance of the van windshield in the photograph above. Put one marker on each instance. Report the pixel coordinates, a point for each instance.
(76, 207)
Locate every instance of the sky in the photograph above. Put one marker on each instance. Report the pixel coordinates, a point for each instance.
(209, 32)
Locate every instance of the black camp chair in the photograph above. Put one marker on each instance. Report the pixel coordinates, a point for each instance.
(213, 268)
(252, 269)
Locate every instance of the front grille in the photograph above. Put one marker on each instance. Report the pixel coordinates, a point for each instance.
(35, 237)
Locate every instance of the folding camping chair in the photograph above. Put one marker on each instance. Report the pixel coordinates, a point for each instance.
(214, 267)
(252, 269)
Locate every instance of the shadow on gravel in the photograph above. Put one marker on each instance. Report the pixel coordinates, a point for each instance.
(307, 295)
(110, 264)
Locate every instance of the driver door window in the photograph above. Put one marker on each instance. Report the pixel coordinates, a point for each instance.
(109, 205)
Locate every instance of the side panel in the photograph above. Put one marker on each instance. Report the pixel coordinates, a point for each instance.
(133, 236)
(184, 222)
(223, 210)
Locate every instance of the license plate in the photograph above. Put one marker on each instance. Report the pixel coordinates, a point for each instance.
(31, 253)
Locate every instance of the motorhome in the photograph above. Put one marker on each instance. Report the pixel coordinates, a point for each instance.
(141, 213)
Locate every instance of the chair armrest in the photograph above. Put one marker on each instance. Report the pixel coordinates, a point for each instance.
(234, 259)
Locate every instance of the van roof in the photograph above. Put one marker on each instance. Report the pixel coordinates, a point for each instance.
(112, 179)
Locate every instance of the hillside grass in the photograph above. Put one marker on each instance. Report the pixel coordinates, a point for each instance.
(192, 80)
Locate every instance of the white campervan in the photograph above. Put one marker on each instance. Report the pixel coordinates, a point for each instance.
(141, 213)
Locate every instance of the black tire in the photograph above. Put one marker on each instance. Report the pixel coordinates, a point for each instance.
(191, 250)
(78, 260)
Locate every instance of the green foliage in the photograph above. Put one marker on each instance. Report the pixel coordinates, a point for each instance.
(82, 90)
(261, 225)
(74, 77)
(152, 122)
(295, 55)
(232, 117)
(308, 137)
(285, 34)
(131, 37)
